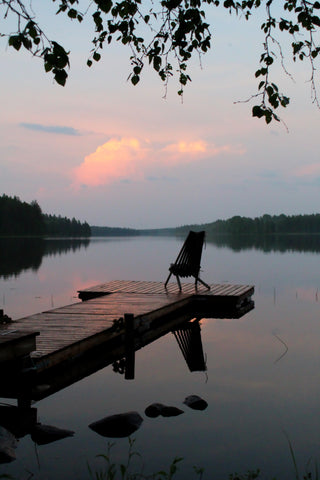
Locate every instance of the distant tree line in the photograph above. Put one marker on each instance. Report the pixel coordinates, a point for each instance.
(64, 227)
(113, 232)
(264, 225)
(130, 232)
(237, 225)
(19, 218)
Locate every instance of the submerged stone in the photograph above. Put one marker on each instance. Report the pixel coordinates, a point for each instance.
(117, 426)
(154, 410)
(168, 411)
(44, 434)
(195, 402)
(8, 444)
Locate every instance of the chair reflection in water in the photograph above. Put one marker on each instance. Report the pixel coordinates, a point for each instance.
(188, 261)
(188, 336)
(189, 340)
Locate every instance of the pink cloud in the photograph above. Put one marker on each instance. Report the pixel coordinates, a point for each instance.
(133, 159)
(313, 169)
(197, 150)
(187, 147)
(114, 160)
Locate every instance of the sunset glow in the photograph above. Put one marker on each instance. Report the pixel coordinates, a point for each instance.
(100, 141)
(114, 160)
(132, 159)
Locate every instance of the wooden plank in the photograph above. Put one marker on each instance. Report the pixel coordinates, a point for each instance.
(142, 287)
(117, 304)
(158, 288)
(72, 329)
(225, 290)
(74, 349)
(60, 330)
(84, 339)
(229, 290)
(222, 290)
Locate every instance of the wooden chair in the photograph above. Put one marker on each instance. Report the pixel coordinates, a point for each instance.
(187, 263)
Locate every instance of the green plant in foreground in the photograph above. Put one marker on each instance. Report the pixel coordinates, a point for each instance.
(123, 471)
(112, 470)
(308, 475)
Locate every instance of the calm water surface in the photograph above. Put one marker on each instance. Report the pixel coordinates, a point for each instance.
(257, 398)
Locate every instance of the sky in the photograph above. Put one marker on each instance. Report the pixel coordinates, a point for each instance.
(106, 152)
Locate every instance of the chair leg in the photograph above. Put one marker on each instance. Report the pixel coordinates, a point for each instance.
(165, 285)
(179, 283)
(203, 283)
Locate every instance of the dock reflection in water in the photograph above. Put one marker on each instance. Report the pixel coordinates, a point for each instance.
(21, 420)
(25, 383)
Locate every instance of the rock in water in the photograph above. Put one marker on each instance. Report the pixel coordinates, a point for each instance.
(8, 443)
(43, 434)
(171, 411)
(154, 410)
(195, 402)
(117, 426)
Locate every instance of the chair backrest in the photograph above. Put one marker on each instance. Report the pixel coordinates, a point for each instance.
(188, 261)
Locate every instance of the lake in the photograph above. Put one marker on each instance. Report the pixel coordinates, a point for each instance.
(262, 380)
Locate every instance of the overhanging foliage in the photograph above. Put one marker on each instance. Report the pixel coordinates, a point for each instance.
(177, 30)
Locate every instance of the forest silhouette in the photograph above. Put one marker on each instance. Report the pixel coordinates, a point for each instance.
(19, 218)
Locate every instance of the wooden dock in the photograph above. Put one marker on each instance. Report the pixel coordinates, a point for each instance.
(96, 325)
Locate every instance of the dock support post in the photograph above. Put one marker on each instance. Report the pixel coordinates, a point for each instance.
(129, 346)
